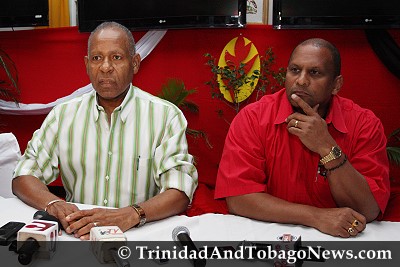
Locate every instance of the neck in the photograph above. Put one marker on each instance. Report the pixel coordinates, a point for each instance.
(110, 104)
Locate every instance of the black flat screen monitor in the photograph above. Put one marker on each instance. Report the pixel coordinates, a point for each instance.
(162, 14)
(336, 14)
(24, 13)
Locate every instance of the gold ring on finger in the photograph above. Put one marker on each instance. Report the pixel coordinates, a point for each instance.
(350, 230)
(295, 123)
(355, 223)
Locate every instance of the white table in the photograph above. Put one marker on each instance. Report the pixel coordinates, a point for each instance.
(213, 227)
(207, 227)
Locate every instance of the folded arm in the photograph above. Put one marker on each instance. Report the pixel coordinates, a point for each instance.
(264, 207)
(166, 204)
(36, 194)
(348, 186)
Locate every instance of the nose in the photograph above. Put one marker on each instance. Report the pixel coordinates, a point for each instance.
(106, 65)
(302, 79)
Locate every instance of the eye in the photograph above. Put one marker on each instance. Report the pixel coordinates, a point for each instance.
(96, 58)
(294, 69)
(117, 57)
(314, 72)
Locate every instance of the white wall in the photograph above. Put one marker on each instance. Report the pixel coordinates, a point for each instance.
(270, 12)
(73, 5)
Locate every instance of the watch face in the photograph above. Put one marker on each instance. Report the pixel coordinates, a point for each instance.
(336, 152)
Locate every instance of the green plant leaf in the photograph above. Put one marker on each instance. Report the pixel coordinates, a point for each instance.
(393, 154)
(9, 89)
(232, 77)
(174, 91)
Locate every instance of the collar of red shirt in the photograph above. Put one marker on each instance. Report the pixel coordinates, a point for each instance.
(335, 115)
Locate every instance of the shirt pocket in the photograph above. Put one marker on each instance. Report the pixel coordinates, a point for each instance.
(144, 166)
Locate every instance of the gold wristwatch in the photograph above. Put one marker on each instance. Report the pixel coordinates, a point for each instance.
(142, 215)
(334, 154)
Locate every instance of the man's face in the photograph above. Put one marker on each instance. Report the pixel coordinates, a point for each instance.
(109, 65)
(310, 75)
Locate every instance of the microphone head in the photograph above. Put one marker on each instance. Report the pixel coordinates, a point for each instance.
(178, 230)
(44, 215)
(105, 240)
(40, 215)
(42, 232)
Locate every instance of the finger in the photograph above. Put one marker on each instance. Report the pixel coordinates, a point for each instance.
(85, 237)
(77, 215)
(303, 105)
(64, 223)
(79, 224)
(358, 221)
(294, 123)
(352, 231)
(344, 233)
(357, 224)
(84, 231)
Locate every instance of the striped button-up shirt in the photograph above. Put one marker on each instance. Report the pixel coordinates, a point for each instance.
(141, 152)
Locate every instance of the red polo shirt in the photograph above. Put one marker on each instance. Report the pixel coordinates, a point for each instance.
(260, 155)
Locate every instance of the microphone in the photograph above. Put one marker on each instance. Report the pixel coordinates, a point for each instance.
(256, 246)
(286, 242)
(44, 215)
(181, 235)
(8, 232)
(37, 238)
(105, 242)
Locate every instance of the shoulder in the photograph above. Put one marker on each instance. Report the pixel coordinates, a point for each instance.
(155, 101)
(358, 120)
(77, 101)
(266, 107)
(355, 111)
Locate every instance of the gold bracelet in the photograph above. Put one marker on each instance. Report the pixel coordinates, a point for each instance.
(141, 213)
(52, 202)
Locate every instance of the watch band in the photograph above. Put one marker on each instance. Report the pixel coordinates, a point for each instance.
(327, 158)
(141, 213)
(335, 153)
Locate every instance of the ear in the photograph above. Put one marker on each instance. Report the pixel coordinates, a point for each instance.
(338, 83)
(136, 63)
(86, 59)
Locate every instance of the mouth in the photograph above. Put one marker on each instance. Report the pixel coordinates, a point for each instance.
(299, 93)
(105, 81)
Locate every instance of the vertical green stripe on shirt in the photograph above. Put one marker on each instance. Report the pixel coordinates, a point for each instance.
(121, 142)
(66, 182)
(40, 150)
(136, 158)
(70, 152)
(165, 135)
(84, 148)
(151, 132)
(53, 145)
(98, 163)
(109, 156)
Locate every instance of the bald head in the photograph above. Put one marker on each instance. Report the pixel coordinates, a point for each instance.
(115, 26)
(318, 42)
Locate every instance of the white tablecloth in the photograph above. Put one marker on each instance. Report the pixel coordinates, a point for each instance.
(213, 227)
(207, 227)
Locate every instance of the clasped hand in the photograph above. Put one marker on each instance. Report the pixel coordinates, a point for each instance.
(343, 222)
(311, 129)
(79, 222)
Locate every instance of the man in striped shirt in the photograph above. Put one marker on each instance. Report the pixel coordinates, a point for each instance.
(116, 146)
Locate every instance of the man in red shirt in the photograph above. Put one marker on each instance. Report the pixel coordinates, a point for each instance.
(305, 155)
